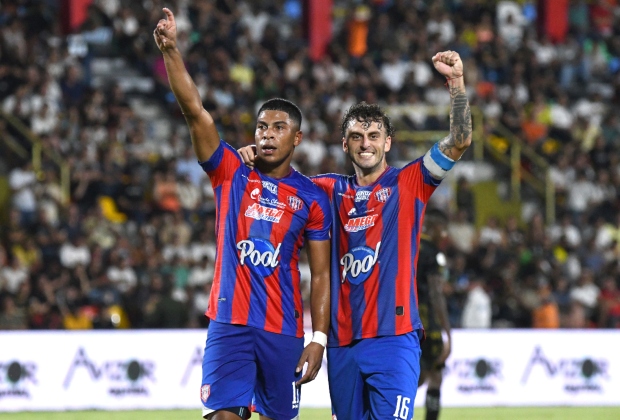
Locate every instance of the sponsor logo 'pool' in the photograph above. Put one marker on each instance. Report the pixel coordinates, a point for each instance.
(358, 263)
(260, 253)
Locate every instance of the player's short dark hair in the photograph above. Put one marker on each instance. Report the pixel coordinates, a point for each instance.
(284, 105)
(365, 112)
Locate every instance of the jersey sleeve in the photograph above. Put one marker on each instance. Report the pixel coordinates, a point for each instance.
(224, 162)
(418, 177)
(319, 219)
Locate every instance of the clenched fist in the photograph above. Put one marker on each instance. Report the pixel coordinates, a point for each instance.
(449, 64)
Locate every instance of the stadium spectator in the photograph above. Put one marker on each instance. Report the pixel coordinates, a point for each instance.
(477, 308)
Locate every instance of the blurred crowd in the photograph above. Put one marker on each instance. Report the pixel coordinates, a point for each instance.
(134, 245)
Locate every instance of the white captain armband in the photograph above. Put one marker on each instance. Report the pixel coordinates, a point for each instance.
(437, 163)
(320, 338)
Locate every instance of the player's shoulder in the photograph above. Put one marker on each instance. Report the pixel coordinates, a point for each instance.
(305, 185)
(413, 165)
(332, 178)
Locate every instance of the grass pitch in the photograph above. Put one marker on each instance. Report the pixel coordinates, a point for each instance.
(496, 413)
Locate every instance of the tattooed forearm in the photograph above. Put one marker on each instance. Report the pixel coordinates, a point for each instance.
(460, 136)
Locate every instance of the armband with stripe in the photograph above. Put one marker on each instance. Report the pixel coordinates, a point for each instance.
(437, 163)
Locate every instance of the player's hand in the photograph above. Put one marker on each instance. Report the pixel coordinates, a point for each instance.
(248, 154)
(165, 33)
(445, 353)
(449, 64)
(313, 355)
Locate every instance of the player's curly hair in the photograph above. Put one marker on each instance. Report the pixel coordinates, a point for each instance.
(368, 113)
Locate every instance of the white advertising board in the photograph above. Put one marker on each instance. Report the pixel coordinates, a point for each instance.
(148, 369)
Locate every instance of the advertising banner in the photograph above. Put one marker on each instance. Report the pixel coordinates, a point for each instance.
(149, 369)
(532, 367)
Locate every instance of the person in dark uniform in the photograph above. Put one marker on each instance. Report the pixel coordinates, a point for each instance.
(431, 273)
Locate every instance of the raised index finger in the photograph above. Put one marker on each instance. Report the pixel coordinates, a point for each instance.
(169, 14)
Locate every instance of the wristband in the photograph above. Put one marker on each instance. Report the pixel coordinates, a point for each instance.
(320, 338)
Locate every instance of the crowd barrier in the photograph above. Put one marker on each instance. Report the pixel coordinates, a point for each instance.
(151, 369)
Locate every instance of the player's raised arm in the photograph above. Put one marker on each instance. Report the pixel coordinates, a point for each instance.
(449, 64)
(319, 259)
(202, 128)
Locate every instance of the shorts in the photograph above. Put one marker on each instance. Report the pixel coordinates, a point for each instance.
(241, 362)
(431, 350)
(375, 378)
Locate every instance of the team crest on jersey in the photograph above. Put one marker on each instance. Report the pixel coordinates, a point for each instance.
(360, 223)
(383, 194)
(273, 188)
(205, 391)
(362, 195)
(258, 212)
(294, 202)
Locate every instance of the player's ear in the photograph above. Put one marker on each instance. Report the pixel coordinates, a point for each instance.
(298, 137)
(345, 147)
(388, 143)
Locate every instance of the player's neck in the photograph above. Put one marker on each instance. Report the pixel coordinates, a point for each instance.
(277, 172)
(369, 176)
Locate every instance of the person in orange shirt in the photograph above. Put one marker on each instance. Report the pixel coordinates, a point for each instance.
(358, 31)
(547, 314)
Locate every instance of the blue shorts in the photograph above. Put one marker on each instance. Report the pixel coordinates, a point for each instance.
(241, 362)
(375, 378)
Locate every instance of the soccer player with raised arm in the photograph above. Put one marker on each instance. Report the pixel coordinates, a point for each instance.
(264, 215)
(373, 351)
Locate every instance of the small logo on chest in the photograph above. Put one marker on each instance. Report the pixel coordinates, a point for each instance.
(383, 194)
(362, 195)
(294, 202)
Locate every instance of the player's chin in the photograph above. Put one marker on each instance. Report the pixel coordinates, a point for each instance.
(366, 163)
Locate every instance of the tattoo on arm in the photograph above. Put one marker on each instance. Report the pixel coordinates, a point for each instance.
(460, 124)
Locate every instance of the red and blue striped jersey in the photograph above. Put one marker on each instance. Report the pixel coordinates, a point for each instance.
(261, 224)
(376, 234)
